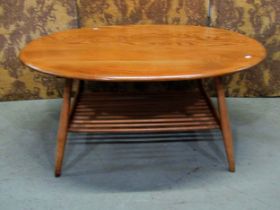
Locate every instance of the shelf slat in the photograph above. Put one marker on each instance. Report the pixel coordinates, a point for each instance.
(153, 112)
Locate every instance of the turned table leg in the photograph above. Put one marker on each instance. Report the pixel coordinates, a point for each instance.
(225, 125)
(63, 126)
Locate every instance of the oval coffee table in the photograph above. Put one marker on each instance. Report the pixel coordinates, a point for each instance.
(142, 53)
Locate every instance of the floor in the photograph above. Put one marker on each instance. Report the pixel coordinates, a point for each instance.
(155, 175)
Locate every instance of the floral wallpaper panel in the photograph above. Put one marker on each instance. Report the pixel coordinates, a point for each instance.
(20, 22)
(259, 19)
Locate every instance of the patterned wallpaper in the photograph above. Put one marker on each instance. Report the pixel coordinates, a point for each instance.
(24, 20)
(109, 12)
(20, 22)
(259, 19)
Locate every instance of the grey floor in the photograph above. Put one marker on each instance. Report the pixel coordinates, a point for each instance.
(165, 176)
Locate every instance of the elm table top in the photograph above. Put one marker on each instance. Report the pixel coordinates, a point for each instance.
(142, 53)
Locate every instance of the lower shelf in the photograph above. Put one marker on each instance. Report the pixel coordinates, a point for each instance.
(142, 112)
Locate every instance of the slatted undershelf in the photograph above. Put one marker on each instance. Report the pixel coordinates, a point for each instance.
(142, 112)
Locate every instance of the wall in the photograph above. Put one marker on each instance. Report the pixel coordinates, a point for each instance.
(259, 19)
(24, 20)
(20, 22)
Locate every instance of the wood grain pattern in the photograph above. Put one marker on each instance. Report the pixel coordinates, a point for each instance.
(143, 53)
(95, 13)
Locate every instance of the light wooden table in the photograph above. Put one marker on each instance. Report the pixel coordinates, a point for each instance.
(142, 53)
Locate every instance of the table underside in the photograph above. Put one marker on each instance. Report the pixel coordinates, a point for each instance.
(142, 112)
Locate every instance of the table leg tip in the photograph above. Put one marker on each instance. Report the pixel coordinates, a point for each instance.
(232, 168)
(57, 174)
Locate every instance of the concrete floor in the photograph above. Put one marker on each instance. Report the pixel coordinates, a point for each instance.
(165, 176)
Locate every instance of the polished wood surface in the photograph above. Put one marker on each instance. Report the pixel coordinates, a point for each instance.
(63, 126)
(142, 53)
(225, 124)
